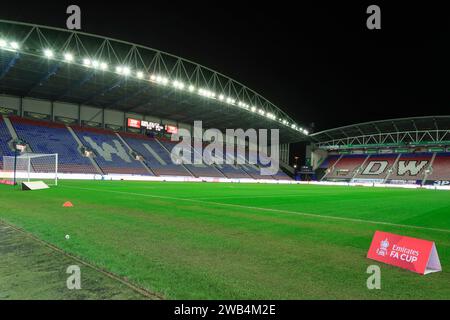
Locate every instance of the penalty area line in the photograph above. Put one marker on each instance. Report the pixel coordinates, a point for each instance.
(312, 215)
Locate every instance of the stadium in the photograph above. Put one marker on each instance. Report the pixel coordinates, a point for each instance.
(92, 118)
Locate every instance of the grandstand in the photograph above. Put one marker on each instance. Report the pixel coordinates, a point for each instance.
(398, 151)
(110, 108)
(113, 153)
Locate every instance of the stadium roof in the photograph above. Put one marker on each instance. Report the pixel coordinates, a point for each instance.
(63, 65)
(430, 129)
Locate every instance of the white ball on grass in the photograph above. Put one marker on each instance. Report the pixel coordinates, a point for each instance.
(67, 237)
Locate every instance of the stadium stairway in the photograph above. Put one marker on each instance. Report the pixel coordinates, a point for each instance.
(156, 157)
(50, 138)
(231, 171)
(374, 163)
(411, 167)
(111, 154)
(440, 168)
(197, 171)
(429, 168)
(131, 151)
(346, 167)
(80, 145)
(329, 165)
(5, 138)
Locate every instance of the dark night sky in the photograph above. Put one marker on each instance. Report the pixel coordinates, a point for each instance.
(320, 64)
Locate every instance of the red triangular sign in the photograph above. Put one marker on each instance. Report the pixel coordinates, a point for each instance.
(68, 204)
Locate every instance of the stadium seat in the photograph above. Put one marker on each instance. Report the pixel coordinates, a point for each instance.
(377, 167)
(49, 138)
(346, 167)
(200, 170)
(440, 167)
(156, 157)
(5, 137)
(329, 161)
(411, 167)
(112, 156)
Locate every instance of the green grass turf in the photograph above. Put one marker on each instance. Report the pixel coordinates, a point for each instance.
(31, 270)
(239, 241)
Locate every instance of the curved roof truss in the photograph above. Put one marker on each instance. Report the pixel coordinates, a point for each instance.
(394, 132)
(159, 68)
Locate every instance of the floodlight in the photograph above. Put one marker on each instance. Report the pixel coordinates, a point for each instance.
(178, 85)
(3, 43)
(48, 53)
(87, 62)
(95, 64)
(126, 71)
(162, 80)
(103, 65)
(14, 45)
(231, 100)
(140, 74)
(191, 88)
(68, 57)
(221, 97)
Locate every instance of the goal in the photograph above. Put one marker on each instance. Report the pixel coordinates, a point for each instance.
(31, 166)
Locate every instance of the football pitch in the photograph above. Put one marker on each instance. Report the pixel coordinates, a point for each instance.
(232, 241)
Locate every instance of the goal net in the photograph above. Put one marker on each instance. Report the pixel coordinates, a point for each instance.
(30, 167)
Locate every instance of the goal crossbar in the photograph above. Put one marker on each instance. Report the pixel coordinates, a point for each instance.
(31, 166)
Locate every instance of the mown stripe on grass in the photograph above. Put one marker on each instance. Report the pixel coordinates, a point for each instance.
(313, 215)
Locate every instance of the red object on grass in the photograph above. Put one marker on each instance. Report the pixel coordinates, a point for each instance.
(413, 254)
(68, 204)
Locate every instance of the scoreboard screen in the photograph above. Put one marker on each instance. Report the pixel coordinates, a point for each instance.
(133, 123)
(151, 126)
(171, 129)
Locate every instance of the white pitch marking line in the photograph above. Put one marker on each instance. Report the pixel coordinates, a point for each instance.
(252, 197)
(266, 209)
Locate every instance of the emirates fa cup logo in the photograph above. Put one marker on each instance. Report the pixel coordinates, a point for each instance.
(384, 245)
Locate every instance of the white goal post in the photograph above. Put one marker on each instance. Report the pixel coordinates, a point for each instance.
(31, 166)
